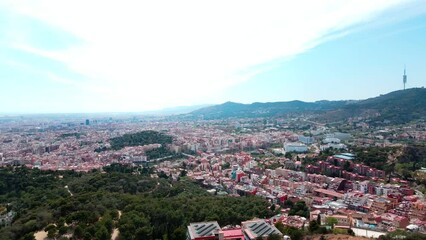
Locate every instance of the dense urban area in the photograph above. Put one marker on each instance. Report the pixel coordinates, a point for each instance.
(126, 176)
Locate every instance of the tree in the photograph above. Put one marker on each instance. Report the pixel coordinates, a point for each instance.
(29, 236)
(294, 233)
(62, 230)
(274, 237)
(226, 165)
(102, 234)
(178, 233)
(331, 221)
(299, 209)
(163, 175)
(87, 236)
(78, 232)
(183, 173)
(133, 225)
(152, 208)
(280, 226)
(51, 233)
(347, 166)
(313, 226)
(288, 203)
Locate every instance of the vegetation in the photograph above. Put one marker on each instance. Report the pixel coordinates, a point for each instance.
(299, 209)
(138, 139)
(394, 108)
(331, 221)
(160, 152)
(151, 208)
(397, 107)
(231, 109)
(374, 156)
(316, 228)
(294, 233)
(398, 234)
(75, 134)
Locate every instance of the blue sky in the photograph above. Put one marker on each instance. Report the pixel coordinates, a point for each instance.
(131, 56)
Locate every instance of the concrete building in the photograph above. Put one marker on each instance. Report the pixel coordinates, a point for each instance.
(258, 228)
(202, 231)
(306, 140)
(295, 147)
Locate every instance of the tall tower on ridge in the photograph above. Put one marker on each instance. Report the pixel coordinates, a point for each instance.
(404, 78)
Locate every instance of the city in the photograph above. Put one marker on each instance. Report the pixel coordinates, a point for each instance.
(282, 160)
(212, 120)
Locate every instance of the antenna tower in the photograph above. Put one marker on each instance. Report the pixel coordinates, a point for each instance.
(404, 77)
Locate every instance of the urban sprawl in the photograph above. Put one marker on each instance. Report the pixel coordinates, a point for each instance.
(241, 157)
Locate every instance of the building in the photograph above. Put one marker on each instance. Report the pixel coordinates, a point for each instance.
(380, 205)
(306, 140)
(258, 228)
(211, 230)
(345, 156)
(328, 193)
(295, 147)
(343, 221)
(231, 234)
(331, 140)
(202, 231)
(418, 210)
(339, 135)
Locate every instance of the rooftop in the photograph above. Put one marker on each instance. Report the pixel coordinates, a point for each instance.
(259, 228)
(346, 156)
(202, 229)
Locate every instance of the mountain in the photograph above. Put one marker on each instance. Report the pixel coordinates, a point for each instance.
(395, 107)
(270, 109)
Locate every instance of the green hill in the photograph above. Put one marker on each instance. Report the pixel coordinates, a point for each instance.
(393, 108)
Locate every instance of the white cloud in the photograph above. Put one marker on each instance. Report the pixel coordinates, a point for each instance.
(151, 54)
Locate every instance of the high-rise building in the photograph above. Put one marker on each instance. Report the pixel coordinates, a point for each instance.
(87, 122)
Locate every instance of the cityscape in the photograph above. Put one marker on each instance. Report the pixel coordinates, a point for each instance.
(283, 160)
(212, 120)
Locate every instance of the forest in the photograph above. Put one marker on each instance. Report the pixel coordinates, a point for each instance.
(97, 202)
(140, 139)
(137, 139)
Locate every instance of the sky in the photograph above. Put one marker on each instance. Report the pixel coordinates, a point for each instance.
(131, 56)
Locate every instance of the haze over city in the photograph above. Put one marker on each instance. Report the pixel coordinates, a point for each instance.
(132, 56)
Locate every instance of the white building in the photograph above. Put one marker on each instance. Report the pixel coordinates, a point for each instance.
(295, 147)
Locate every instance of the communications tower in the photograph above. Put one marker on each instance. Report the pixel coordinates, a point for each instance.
(404, 78)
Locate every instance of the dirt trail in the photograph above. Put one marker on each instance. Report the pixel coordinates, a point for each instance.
(115, 232)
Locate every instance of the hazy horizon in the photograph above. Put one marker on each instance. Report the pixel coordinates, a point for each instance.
(73, 57)
(172, 110)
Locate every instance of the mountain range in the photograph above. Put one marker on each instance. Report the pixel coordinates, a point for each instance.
(395, 107)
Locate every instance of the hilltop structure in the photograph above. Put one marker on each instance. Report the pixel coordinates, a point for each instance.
(404, 77)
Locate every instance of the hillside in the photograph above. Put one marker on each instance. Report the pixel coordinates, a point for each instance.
(231, 109)
(394, 108)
